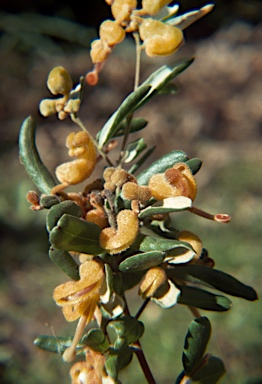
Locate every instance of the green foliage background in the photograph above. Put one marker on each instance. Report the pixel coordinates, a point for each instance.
(215, 116)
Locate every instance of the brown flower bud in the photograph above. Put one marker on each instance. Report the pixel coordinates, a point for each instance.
(132, 191)
(151, 7)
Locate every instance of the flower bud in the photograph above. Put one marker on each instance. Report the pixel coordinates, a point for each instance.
(59, 81)
(160, 39)
(99, 51)
(111, 32)
(152, 280)
(121, 9)
(151, 7)
(47, 107)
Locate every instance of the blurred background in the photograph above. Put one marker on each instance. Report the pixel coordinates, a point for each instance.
(216, 116)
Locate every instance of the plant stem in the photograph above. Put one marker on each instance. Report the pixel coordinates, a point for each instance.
(141, 309)
(143, 363)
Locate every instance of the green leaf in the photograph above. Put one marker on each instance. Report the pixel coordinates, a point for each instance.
(196, 341)
(217, 279)
(136, 124)
(161, 77)
(141, 161)
(210, 372)
(134, 149)
(73, 234)
(65, 262)
(199, 298)
(31, 159)
(161, 165)
(47, 201)
(57, 344)
(142, 261)
(194, 165)
(117, 361)
(96, 340)
(58, 210)
(126, 331)
(153, 243)
(180, 203)
(127, 107)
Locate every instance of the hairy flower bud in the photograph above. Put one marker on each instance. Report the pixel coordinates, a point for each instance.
(151, 7)
(152, 280)
(160, 39)
(100, 51)
(111, 32)
(59, 81)
(121, 9)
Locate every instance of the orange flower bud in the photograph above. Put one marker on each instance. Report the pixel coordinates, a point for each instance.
(99, 51)
(132, 191)
(151, 7)
(152, 280)
(160, 39)
(121, 9)
(111, 32)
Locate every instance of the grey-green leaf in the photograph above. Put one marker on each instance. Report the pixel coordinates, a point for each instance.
(55, 344)
(161, 165)
(127, 107)
(74, 234)
(194, 164)
(58, 210)
(195, 344)
(154, 243)
(96, 340)
(142, 261)
(217, 279)
(136, 124)
(199, 298)
(134, 149)
(65, 262)
(127, 328)
(31, 159)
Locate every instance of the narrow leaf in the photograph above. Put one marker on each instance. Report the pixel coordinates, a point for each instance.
(199, 298)
(136, 124)
(53, 344)
(127, 107)
(161, 77)
(134, 149)
(65, 262)
(217, 279)
(141, 161)
(195, 343)
(161, 165)
(31, 159)
(153, 243)
(73, 234)
(142, 261)
(172, 204)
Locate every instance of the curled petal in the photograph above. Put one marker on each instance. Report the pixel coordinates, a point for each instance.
(118, 240)
(153, 279)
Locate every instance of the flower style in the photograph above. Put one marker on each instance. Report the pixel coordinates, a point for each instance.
(80, 297)
(59, 82)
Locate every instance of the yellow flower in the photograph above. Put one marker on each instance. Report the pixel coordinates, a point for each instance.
(80, 297)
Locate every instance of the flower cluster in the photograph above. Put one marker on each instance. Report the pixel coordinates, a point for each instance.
(158, 37)
(117, 233)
